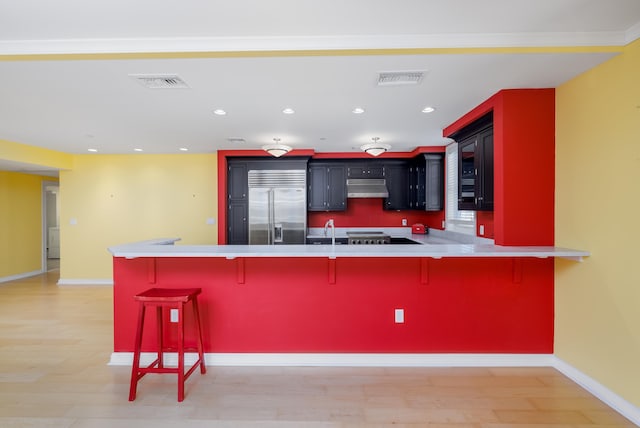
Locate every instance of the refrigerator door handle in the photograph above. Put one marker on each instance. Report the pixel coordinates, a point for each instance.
(271, 227)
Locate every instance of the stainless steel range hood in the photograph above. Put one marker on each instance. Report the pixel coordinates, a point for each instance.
(367, 188)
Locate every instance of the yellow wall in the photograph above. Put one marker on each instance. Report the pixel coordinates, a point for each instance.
(20, 223)
(115, 199)
(24, 153)
(597, 206)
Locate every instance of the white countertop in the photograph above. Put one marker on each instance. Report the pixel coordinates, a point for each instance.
(164, 247)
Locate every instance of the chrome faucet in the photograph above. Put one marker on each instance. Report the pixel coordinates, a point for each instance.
(329, 224)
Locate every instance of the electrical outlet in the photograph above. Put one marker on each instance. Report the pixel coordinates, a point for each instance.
(482, 230)
(173, 314)
(404, 221)
(399, 316)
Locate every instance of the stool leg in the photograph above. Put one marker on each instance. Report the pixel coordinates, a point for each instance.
(135, 367)
(181, 352)
(196, 312)
(159, 322)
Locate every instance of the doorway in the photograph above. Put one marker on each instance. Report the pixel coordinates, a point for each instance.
(50, 226)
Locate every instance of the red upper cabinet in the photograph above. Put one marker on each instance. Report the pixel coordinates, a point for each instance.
(523, 163)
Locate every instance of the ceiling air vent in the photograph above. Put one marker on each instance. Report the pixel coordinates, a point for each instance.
(160, 81)
(394, 78)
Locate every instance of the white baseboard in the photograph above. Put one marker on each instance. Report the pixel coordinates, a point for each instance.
(348, 359)
(93, 281)
(616, 402)
(603, 393)
(20, 276)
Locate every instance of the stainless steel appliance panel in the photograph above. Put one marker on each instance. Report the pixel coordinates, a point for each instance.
(289, 215)
(277, 207)
(259, 219)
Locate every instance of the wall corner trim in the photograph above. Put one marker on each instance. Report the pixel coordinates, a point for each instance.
(613, 400)
(92, 281)
(20, 276)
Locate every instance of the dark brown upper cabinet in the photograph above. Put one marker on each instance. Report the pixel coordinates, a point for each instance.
(475, 165)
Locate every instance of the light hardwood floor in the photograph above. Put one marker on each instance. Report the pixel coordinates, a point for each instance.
(55, 342)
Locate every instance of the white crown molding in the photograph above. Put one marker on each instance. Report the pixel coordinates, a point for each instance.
(632, 34)
(613, 400)
(246, 44)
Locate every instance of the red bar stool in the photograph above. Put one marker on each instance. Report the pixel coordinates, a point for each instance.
(170, 298)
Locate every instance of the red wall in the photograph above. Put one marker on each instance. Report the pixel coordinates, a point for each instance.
(458, 305)
(524, 164)
(369, 213)
(526, 153)
(485, 218)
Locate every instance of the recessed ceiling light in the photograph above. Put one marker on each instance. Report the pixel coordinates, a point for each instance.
(357, 110)
(92, 150)
(428, 109)
(183, 149)
(219, 112)
(288, 111)
(137, 150)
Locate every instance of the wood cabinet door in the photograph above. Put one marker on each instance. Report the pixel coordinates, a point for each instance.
(484, 162)
(434, 182)
(317, 194)
(397, 178)
(336, 188)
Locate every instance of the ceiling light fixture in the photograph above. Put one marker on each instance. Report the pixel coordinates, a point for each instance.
(276, 149)
(357, 110)
(376, 148)
(288, 111)
(428, 109)
(219, 112)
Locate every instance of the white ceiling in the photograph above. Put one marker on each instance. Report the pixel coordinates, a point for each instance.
(72, 104)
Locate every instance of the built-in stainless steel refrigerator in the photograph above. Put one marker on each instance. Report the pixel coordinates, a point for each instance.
(277, 206)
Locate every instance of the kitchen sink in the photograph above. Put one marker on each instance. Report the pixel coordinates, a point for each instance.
(344, 241)
(325, 241)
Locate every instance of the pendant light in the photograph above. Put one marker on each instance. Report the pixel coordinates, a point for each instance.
(376, 148)
(276, 149)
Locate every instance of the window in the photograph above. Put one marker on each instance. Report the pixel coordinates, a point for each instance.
(462, 221)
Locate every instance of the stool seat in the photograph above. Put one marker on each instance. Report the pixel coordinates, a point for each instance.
(166, 298)
(168, 295)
